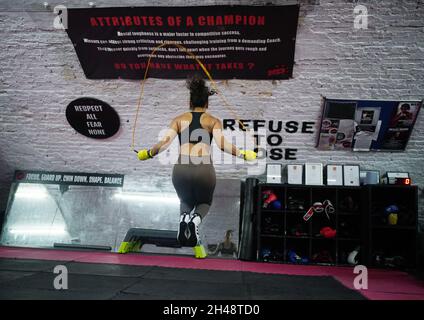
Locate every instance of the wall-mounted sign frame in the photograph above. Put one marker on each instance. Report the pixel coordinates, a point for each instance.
(69, 178)
(365, 125)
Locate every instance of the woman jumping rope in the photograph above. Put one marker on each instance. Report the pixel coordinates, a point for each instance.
(193, 175)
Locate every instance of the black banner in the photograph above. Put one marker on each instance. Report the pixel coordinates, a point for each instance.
(67, 178)
(244, 42)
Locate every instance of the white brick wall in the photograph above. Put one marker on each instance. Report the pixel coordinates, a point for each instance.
(40, 75)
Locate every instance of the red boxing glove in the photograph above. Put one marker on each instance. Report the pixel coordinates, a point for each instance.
(327, 232)
(268, 197)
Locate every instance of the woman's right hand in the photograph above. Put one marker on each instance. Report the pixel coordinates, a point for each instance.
(144, 154)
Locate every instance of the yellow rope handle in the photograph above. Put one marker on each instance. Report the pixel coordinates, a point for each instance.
(204, 70)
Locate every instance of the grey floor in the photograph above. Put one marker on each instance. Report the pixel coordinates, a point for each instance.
(33, 279)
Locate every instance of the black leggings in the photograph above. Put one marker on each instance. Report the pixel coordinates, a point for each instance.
(194, 180)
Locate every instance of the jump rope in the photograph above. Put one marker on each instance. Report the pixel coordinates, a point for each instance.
(205, 70)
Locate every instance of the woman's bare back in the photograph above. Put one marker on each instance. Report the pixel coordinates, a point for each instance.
(207, 122)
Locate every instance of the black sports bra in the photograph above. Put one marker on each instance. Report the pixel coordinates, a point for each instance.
(195, 125)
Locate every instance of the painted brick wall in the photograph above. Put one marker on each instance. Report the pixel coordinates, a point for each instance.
(40, 75)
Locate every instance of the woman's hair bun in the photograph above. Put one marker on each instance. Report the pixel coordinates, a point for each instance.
(199, 92)
(196, 84)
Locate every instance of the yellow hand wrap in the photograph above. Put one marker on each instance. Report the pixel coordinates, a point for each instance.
(248, 155)
(144, 154)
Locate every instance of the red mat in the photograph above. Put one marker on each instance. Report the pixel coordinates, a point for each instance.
(382, 284)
